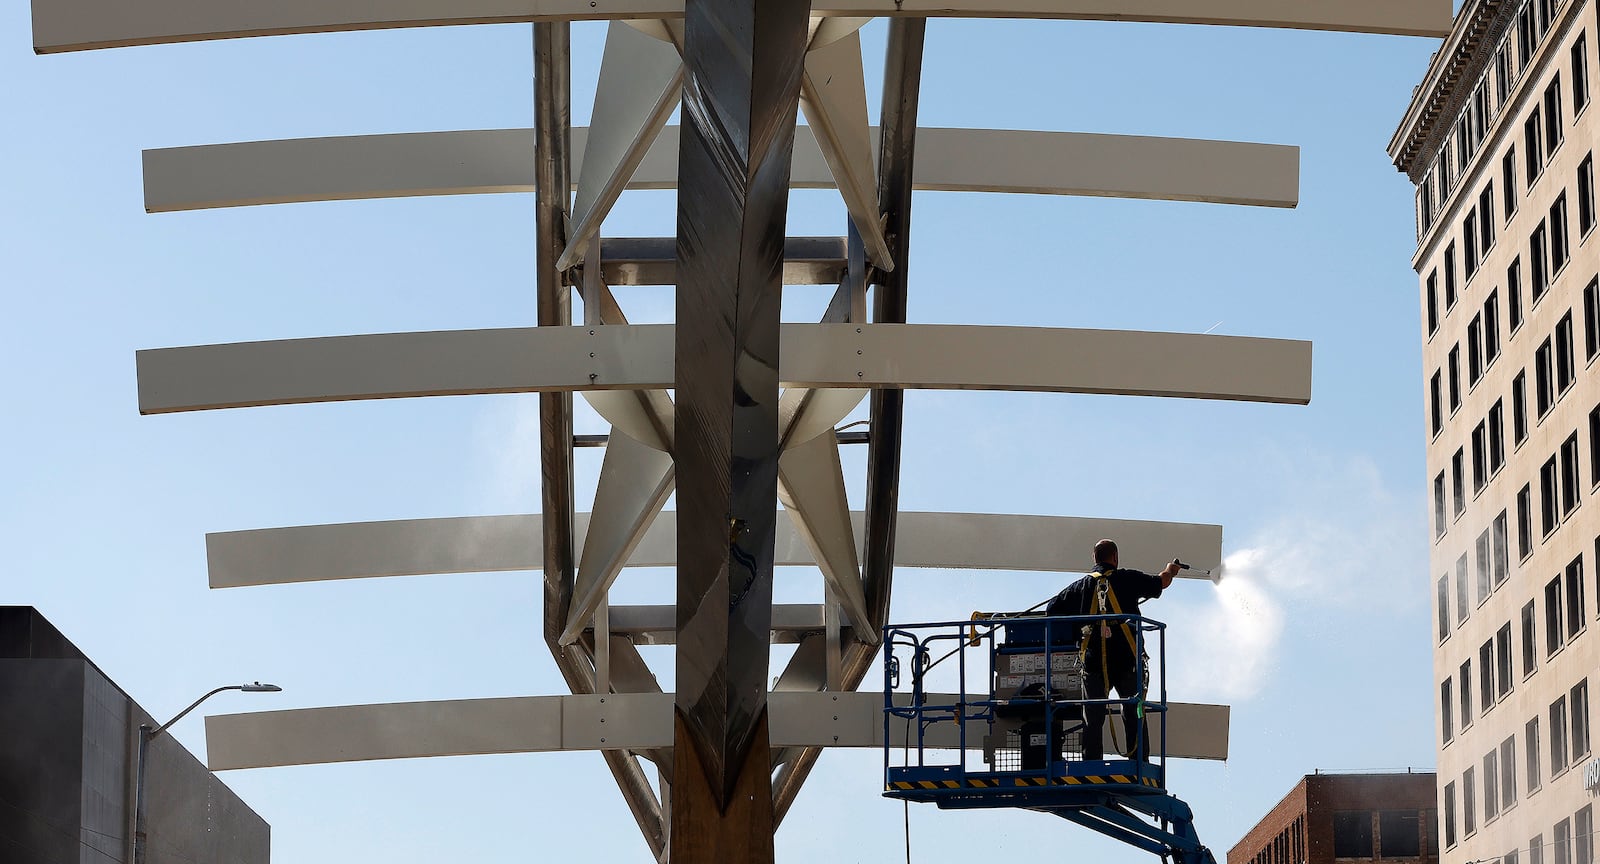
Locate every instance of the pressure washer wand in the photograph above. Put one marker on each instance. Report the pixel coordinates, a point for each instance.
(1183, 566)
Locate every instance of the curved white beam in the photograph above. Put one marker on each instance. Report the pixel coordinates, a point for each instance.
(635, 357)
(77, 25)
(496, 160)
(484, 544)
(619, 721)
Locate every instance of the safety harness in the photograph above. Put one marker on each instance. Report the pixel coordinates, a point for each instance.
(1105, 603)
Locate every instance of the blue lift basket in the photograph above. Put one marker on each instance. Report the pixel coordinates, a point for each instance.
(1016, 693)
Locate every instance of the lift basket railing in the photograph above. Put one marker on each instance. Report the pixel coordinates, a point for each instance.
(1019, 694)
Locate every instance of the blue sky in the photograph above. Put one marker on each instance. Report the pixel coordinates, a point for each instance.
(1322, 647)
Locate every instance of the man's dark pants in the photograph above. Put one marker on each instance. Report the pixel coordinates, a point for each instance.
(1125, 680)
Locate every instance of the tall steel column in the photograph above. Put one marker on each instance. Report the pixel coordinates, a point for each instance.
(744, 62)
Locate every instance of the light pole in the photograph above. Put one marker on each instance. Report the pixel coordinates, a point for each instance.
(145, 736)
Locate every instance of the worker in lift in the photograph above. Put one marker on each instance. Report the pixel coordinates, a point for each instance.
(1112, 652)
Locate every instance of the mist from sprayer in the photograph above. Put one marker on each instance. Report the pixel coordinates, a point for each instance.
(1229, 646)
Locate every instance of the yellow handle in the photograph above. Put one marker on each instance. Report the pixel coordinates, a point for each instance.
(973, 638)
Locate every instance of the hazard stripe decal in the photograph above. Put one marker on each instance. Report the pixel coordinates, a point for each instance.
(1122, 779)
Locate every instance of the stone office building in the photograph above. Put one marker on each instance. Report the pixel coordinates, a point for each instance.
(1500, 138)
(68, 739)
(1347, 817)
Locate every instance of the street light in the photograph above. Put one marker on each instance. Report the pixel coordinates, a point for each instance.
(145, 736)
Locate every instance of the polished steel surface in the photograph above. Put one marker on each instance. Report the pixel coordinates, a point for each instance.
(744, 61)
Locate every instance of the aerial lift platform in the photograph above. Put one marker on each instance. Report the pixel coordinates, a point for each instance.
(1029, 713)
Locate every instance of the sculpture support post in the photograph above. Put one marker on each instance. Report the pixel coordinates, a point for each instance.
(744, 61)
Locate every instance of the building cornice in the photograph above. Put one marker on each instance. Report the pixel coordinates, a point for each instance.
(1437, 101)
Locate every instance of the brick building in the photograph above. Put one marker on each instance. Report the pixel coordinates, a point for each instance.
(1347, 817)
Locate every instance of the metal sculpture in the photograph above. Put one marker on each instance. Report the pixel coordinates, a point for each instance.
(750, 421)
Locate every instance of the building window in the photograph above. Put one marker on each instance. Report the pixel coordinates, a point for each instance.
(1536, 849)
(1486, 676)
(1580, 73)
(1519, 408)
(1433, 302)
(1445, 711)
(1552, 118)
(1583, 824)
(1544, 387)
(1591, 320)
(1502, 554)
(1508, 772)
(1440, 524)
(1469, 243)
(1594, 445)
(1548, 488)
(1453, 367)
(1399, 834)
(1580, 719)
(1530, 740)
(1502, 69)
(1586, 195)
(1558, 736)
(1533, 146)
(1530, 658)
(1486, 220)
(1491, 328)
(1449, 277)
(1480, 460)
(1559, 250)
(1444, 612)
(1497, 438)
(1561, 838)
(1474, 351)
(1436, 403)
(1491, 785)
(1570, 489)
(1458, 481)
(1463, 607)
(1514, 294)
(1554, 633)
(1352, 834)
(1524, 516)
(1508, 181)
(1538, 255)
(1502, 647)
(1449, 814)
(1577, 621)
(1525, 35)
(1566, 369)
(1469, 804)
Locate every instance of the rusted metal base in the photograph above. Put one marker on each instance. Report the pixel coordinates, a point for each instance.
(703, 832)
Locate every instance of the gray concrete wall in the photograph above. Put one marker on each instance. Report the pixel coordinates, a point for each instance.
(68, 739)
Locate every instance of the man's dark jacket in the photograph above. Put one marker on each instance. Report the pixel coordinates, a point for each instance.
(1130, 587)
